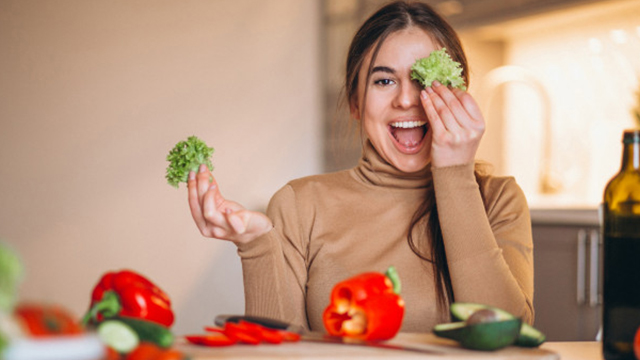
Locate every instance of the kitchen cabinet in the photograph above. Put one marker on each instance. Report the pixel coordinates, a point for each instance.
(567, 273)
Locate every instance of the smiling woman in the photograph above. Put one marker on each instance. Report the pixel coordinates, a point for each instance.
(414, 201)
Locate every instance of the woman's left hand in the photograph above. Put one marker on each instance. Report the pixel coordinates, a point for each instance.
(456, 124)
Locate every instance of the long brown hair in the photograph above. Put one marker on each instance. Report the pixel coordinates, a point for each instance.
(394, 17)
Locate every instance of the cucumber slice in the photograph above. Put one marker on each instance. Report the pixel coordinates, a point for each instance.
(529, 336)
(148, 330)
(118, 336)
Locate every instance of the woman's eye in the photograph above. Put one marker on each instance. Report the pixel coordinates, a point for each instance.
(383, 82)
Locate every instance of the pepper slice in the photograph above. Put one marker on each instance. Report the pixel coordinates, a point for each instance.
(42, 320)
(214, 339)
(127, 293)
(366, 307)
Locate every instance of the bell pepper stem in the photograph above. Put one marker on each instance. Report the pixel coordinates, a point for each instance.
(108, 306)
(392, 274)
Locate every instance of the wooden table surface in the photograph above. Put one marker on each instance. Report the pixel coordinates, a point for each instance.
(446, 349)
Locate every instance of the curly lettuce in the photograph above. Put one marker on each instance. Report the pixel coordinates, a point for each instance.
(438, 66)
(11, 272)
(187, 156)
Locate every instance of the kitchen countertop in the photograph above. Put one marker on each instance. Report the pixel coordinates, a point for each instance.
(580, 217)
(447, 349)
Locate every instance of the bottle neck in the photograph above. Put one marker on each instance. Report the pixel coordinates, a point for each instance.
(631, 157)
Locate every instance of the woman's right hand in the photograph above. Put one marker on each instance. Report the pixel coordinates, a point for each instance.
(219, 218)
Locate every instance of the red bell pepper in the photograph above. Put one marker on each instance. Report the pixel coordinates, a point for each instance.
(126, 293)
(366, 307)
(41, 320)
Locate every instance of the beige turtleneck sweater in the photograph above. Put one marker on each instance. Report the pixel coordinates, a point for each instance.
(330, 227)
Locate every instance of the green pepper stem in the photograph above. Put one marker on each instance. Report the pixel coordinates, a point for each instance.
(108, 306)
(392, 274)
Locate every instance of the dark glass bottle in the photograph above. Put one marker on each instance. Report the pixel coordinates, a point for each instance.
(621, 235)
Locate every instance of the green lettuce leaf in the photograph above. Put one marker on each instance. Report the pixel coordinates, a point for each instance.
(438, 66)
(11, 272)
(187, 156)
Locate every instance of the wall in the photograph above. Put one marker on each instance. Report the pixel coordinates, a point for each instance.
(93, 96)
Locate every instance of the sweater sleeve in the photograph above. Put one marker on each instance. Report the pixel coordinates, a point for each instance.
(488, 241)
(274, 265)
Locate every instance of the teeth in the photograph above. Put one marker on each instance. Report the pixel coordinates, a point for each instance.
(407, 124)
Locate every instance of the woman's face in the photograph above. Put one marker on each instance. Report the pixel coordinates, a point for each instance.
(393, 117)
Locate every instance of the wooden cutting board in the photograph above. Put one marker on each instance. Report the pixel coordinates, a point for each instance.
(312, 350)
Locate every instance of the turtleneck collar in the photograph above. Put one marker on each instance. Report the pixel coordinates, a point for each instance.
(373, 169)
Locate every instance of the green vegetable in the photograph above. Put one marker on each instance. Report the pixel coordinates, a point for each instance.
(125, 333)
(11, 272)
(438, 66)
(148, 330)
(482, 336)
(529, 336)
(187, 156)
(118, 336)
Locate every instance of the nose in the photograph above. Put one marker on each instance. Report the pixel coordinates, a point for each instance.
(408, 95)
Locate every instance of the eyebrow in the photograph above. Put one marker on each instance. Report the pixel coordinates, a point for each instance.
(385, 69)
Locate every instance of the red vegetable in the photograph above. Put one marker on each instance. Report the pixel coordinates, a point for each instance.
(242, 332)
(127, 293)
(365, 307)
(214, 339)
(47, 320)
(150, 351)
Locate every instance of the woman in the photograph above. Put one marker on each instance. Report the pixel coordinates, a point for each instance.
(414, 201)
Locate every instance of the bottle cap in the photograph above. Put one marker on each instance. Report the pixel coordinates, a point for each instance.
(631, 136)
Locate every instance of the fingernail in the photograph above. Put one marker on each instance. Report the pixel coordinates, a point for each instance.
(423, 94)
(203, 167)
(429, 90)
(435, 83)
(213, 186)
(192, 175)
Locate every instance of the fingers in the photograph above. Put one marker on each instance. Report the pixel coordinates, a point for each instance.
(195, 204)
(215, 220)
(457, 124)
(469, 104)
(454, 108)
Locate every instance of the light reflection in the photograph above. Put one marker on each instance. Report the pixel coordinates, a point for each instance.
(595, 45)
(618, 36)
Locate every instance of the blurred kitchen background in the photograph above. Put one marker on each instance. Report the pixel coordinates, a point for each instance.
(93, 95)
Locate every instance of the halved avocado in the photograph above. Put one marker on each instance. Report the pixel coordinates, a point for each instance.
(529, 336)
(451, 331)
(482, 336)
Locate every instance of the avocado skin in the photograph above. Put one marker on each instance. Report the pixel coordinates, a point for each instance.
(453, 331)
(491, 335)
(484, 336)
(529, 336)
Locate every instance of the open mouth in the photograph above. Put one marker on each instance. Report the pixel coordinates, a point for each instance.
(408, 135)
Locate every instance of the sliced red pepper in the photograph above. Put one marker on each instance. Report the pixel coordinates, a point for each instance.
(242, 333)
(366, 307)
(289, 336)
(265, 334)
(127, 293)
(215, 339)
(144, 351)
(251, 333)
(272, 336)
(47, 320)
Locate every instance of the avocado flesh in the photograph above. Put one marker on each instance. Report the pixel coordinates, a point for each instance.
(484, 336)
(451, 331)
(529, 336)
